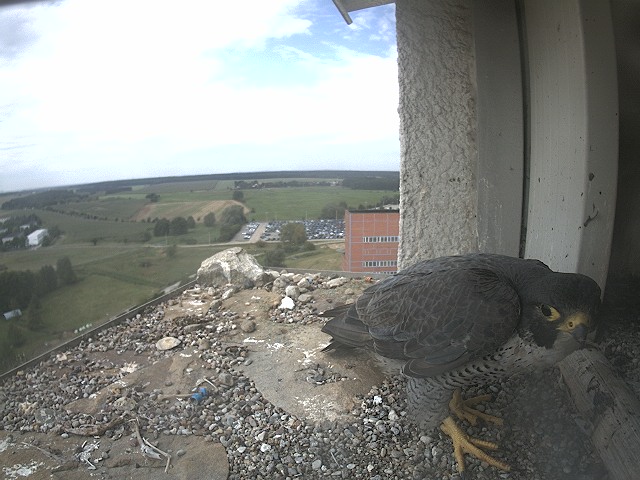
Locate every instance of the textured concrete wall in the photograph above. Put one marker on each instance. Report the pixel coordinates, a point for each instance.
(437, 129)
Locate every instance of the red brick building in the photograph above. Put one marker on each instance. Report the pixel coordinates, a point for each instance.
(371, 241)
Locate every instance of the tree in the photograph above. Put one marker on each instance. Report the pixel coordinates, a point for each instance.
(46, 280)
(15, 336)
(145, 236)
(227, 232)
(238, 195)
(191, 223)
(210, 219)
(16, 289)
(293, 233)
(233, 215)
(34, 314)
(65, 272)
(178, 226)
(152, 197)
(274, 258)
(333, 211)
(161, 228)
(171, 251)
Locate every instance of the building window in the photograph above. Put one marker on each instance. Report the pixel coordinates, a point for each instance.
(380, 263)
(381, 239)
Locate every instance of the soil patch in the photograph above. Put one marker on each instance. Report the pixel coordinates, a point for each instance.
(197, 210)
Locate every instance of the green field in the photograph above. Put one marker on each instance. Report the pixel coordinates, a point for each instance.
(107, 207)
(305, 203)
(117, 269)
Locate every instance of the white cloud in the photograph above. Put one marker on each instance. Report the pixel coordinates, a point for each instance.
(122, 82)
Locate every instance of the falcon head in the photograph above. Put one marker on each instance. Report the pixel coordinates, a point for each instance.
(559, 310)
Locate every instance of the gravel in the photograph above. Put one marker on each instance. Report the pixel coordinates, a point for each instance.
(542, 438)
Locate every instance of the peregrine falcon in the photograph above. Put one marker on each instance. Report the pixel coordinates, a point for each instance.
(463, 320)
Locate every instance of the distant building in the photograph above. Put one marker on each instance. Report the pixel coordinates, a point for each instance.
(371, 241)
(35, 238)
(12, 314)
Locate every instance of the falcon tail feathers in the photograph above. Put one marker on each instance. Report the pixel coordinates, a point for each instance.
(347, 331)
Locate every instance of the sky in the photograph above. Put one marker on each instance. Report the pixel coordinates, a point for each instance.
(95, 90)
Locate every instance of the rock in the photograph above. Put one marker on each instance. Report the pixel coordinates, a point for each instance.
(46, 416)
(226, 379)
(167, 343)
(304, 298)
(233, 265)
(280, 283)
(287, 303)
(248, 326)
(215, 305)
(193, 327)
(228, 293)
(336, 282)
(125, 404)
(292, 291)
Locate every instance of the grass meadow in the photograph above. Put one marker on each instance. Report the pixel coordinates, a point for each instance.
(117, 269)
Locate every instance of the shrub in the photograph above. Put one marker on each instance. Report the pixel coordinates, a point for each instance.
(65, 272)
(275, 258)
(209, 219)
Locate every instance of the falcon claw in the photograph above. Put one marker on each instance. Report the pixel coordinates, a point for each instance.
(464, 411)
(462, 444)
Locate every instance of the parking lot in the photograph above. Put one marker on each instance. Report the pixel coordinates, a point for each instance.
(270, 232)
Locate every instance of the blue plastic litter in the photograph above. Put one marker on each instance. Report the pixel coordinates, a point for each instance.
(199, 395)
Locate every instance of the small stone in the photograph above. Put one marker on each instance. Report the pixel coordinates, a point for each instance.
(167, 343)
(316, 464)
(248, 326)
(292, 291)
(226, 379)
(304, 298)
(125, 404)
(336, 282)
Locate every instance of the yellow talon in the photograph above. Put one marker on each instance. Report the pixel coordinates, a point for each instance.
(462, 443)
(462, 409)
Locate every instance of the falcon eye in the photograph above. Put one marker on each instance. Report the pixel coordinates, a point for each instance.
(549, 312)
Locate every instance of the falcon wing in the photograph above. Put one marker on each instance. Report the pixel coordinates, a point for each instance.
(436, 320)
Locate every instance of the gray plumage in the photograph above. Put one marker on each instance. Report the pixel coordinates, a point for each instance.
(467, 319)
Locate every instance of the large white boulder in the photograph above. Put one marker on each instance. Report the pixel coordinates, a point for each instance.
(235, 266)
